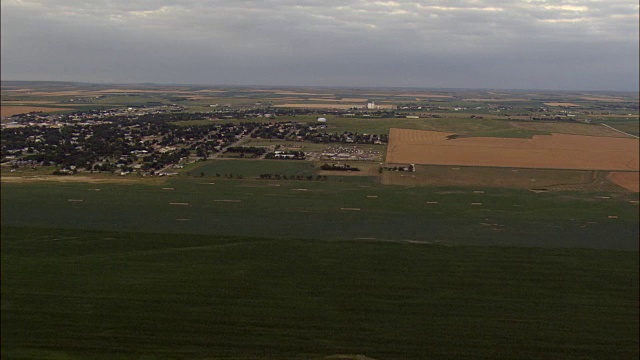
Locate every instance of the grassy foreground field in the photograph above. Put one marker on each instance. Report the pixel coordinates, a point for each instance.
(117, 295)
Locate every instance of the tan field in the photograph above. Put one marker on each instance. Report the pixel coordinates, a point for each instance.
(600, 98)
(28, 102)
(322, 106)
(425, 95)
(61, 93)
(328, 99)
(496, 99)
(209, 91)
(567, 104)
(354, 99)
(284, 98)
(628, 180)
(19, 90)
(556, 151)
(13, 110)
(137, 91)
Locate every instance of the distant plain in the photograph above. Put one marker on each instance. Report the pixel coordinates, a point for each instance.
(447, 261)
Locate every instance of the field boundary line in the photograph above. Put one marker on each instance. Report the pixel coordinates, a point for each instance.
(620, 131)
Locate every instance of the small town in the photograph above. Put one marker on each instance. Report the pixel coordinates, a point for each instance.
(151, 140)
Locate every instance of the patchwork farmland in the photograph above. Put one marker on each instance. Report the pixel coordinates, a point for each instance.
(174, 247)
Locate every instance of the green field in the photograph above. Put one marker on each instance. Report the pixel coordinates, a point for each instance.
(285, 143)
(630, 126)
(253, 168)
(462, 124)
(498, 177)
(74, 294)
(325, 209)
(130, 100)
(382, 126)
(633, 129)
(485, 127)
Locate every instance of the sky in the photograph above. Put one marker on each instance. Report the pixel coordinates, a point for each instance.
(489, 44)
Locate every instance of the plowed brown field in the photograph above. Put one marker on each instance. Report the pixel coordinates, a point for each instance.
(561, 104)
(13, 110)
(628, 180)
(603, 98)
(556, 151)
(321, 106)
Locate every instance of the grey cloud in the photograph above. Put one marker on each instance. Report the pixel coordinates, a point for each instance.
(414, 43)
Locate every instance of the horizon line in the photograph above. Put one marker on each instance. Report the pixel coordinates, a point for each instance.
(315, 86)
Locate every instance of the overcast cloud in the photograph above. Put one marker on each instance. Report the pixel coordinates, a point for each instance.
(531, 44)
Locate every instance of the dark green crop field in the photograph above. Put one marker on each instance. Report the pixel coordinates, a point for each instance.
(356, 208)
(78, 294)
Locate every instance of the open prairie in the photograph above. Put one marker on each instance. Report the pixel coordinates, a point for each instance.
(555, 151)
